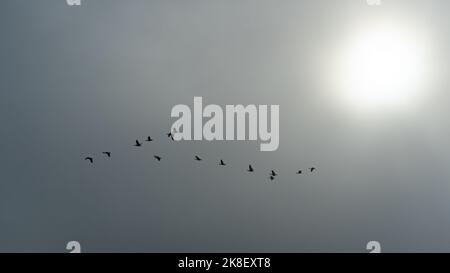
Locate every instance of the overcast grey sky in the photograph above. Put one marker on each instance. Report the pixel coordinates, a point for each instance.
(77, 81)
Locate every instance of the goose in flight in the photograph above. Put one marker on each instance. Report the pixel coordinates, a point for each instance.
(157, 157)
(272, 177)
(250, 168)
(312, 169)
(89, 158)
(149, 139)
(273, 173)
(108, 154)
(198, 158)
(137, 144)
(222, 163)
(299, 172)
(170, 134)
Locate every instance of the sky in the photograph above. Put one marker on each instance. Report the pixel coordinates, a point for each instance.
(77, 81)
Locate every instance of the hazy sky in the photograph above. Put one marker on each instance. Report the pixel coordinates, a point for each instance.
(77, 81)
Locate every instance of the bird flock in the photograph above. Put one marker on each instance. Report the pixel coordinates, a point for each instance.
(272, 174)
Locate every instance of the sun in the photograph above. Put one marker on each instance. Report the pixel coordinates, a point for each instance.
(382, 66)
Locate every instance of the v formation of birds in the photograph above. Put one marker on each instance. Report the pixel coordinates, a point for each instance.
(158, 158)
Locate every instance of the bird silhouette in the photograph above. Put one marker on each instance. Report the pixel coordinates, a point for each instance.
(107, 154)
(272, 177)
(170, 135)
(137, 144)
(312, 169)
(250, 168)
(89, 158)
(273, 173)
(299, 172)
(222, 163)
(149, 139)
(198, 158)
(157, 157)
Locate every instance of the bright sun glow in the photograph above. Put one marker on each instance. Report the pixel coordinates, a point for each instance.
(382, 66)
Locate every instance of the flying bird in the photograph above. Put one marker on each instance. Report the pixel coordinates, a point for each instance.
(149, 139)
(299, 172)
(157, 157)
(89, 158)
(273, 173)
(170, 135)
(271, 177)
(222, 163)
(107, 154)
(198, 158)
(250, 168)
(312, 169)
(138, 144)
